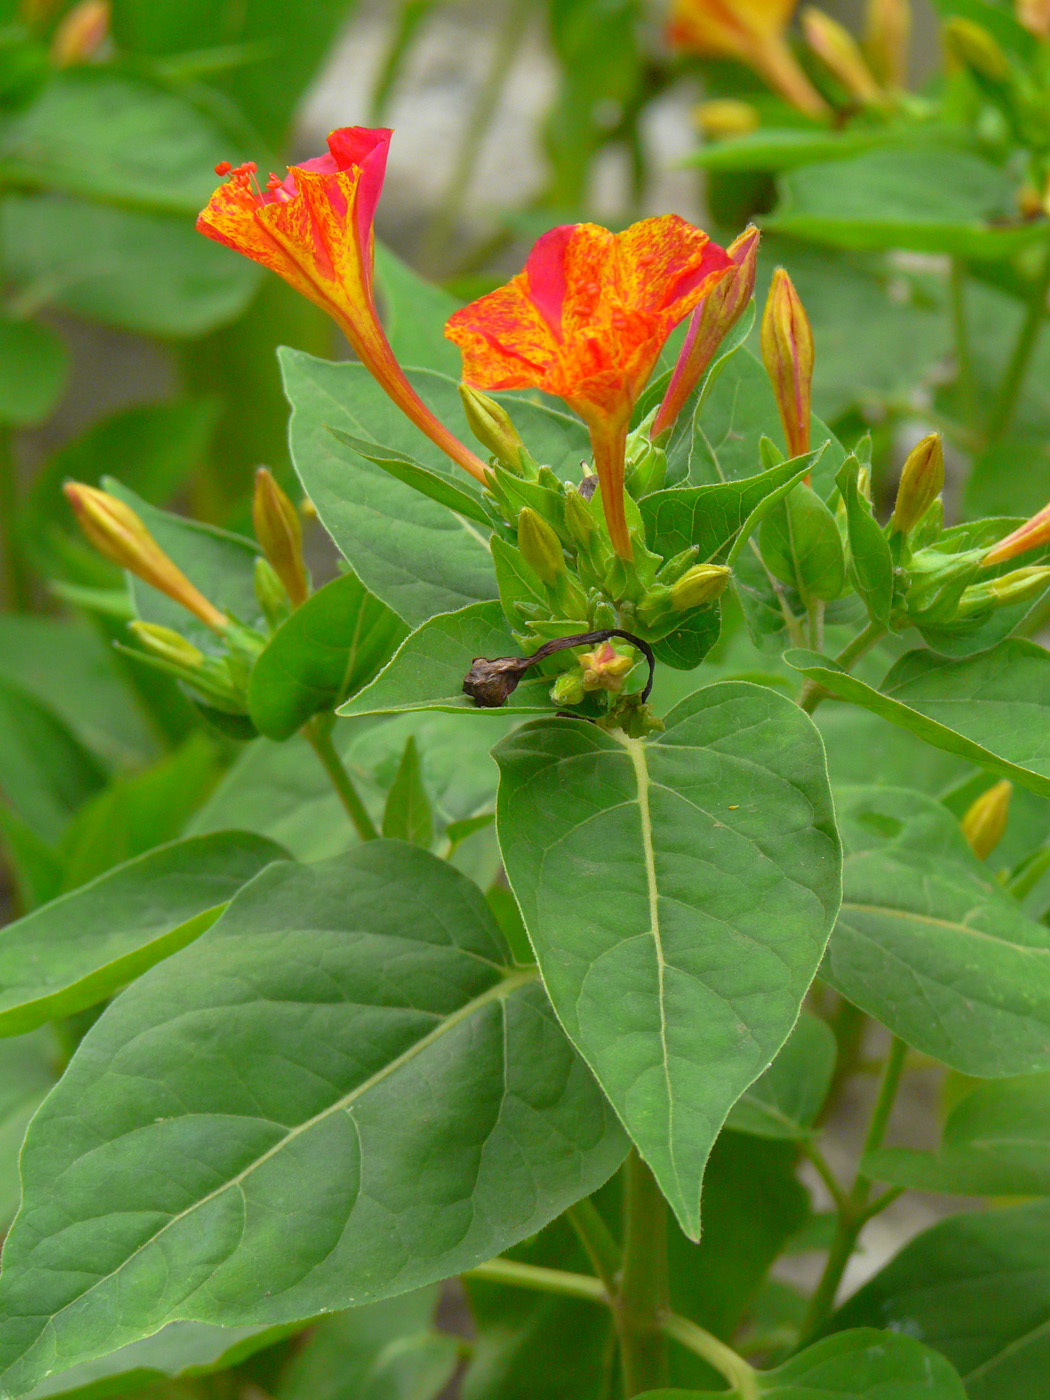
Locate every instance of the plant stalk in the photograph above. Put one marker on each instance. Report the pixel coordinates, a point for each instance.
(812, 692)
(961, 331)
(642, 1301)
(854, 1213)
(596, 1238)
(1012, 382)
(16, 582)
(319, 734)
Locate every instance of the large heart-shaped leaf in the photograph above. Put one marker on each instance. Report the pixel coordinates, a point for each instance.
(858, 1365)
(785, 1100)
(333, 1096)
(678, 893)
(329, 648)
(992, 709)
(77, 950)
(933, 947)
(976, 1287)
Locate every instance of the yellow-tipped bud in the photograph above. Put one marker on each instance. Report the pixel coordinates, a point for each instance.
(491, 424)
(840, 54)
(787, 352)
(1020, 586)
(725, 117)
(81, 34)
(1035, 16)
(922, 481)
(116, 532)
(1034, 533)
(887, 36)
(713, 319)
(969, 45)
(985, 821)
(280, 533)
(701, 584)
(167, 644)
(540, 547)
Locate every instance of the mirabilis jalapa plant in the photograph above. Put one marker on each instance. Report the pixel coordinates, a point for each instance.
(350, 1085)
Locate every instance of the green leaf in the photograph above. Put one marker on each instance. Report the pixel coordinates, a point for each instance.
(713, 516)
(437, 488)
(28, 1070)
(384, 1351)
(932, 201)
(146, 273)
(976, 1287)
(326, 650)
(864, 1364)
(800, 544)
(46, 773)
(996, 1142)
(427, 671)
(870, 564)
(931, 945)
(991, 709)
(77, 950)
(784, 148)
(240, 1138)
(785, 1100)
(407, 815)
(678, 894)
(34, 366)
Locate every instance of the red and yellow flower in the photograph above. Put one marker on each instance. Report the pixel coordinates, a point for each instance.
(586, 321)
(751, 31)
(1033, 534)
(314, 229)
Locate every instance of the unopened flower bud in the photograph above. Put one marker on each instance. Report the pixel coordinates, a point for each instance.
(168, 644)
(116, 532)
(701, 584)
(726, 116)
(646, 467)
(787, 352)
(540, 547)
(1035, 16)
(922, 480)
(1034, 533)
(568, 688)
(1020, 586)
(985, 821)
(969, 45)
(491, 424)
(578, 519)
(714, 317)
(887, 34)
(81, 33)
(673, 568)
(280, 533)
(840, 53)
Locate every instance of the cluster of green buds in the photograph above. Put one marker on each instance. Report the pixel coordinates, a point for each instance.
(557, 570)
(941, 576)
(216, 674)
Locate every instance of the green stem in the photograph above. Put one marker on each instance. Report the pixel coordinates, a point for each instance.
(812, 692)
(855, 1211)
(567, 1285)
(727, 1362)
(813, 1154)
(319, 734)
(1013, 379)
(16, 581)
(597, 1240)
(642, 1299)
(963, 353)
(505, 55)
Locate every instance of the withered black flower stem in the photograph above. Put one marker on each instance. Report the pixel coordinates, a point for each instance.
(489, 683)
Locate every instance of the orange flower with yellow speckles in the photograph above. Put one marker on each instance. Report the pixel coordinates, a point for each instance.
(586, 321)
(751, 31)
(314, 229)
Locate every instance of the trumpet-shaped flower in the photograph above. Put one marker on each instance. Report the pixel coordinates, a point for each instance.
(586, 321)
(314, 229)
(1033, 534)
(751, 31)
